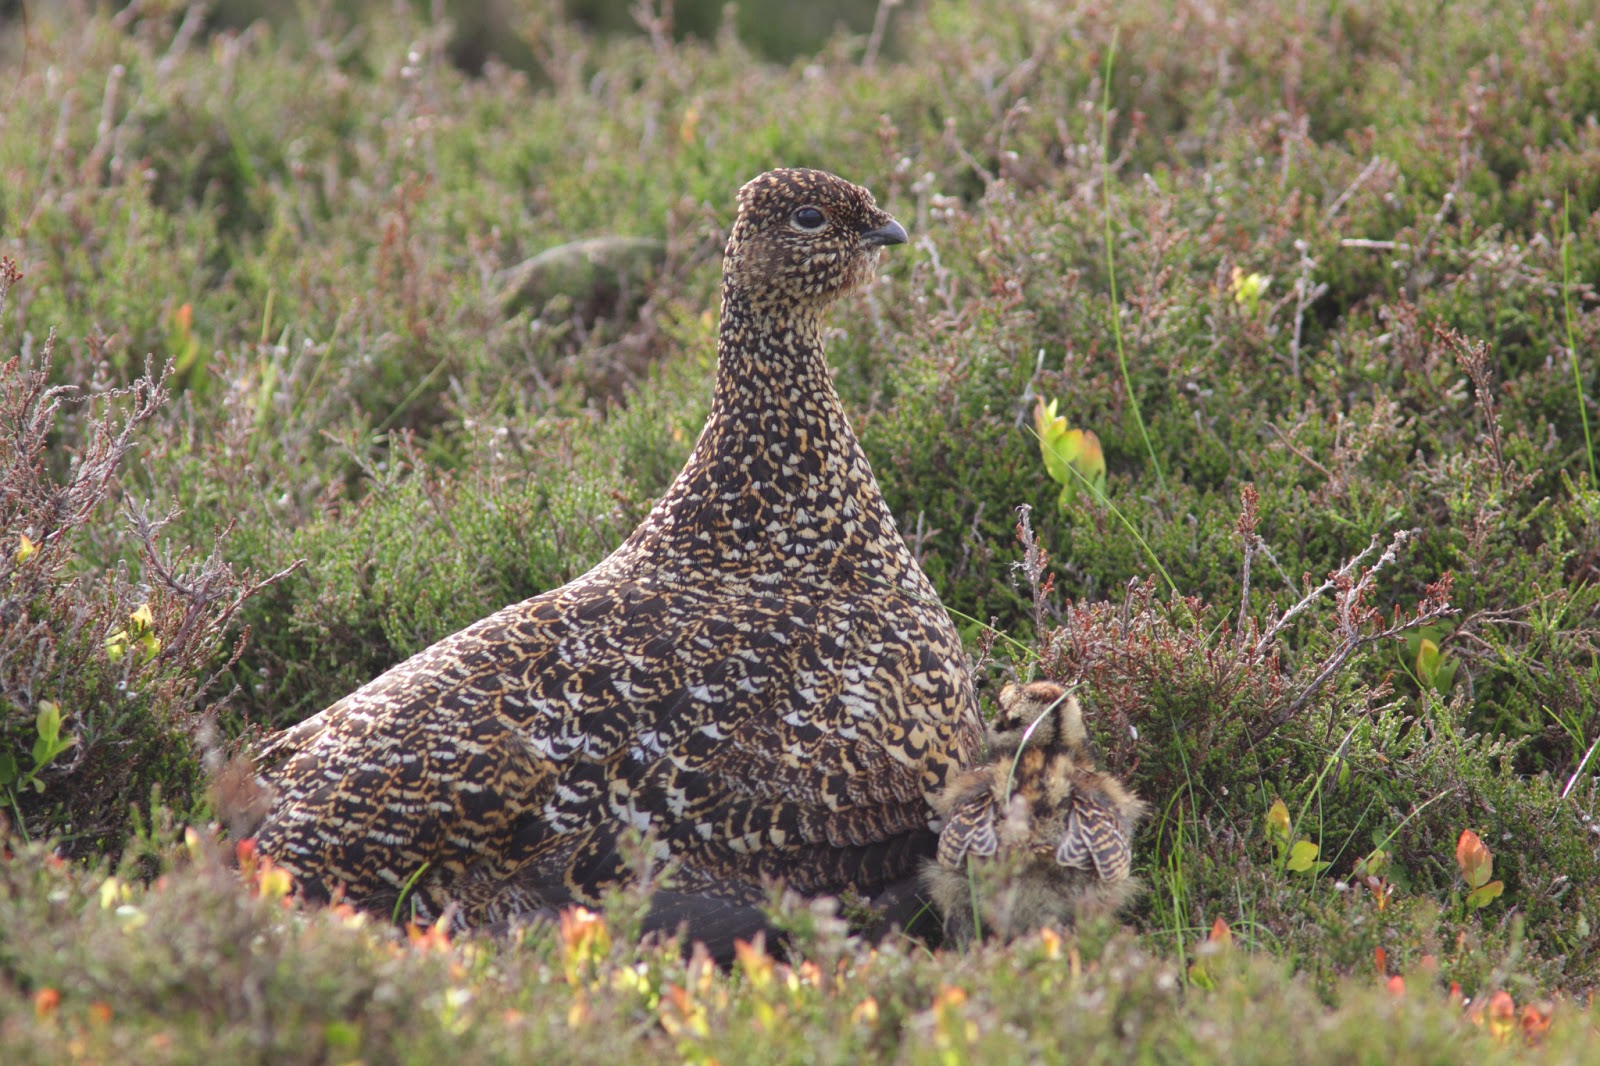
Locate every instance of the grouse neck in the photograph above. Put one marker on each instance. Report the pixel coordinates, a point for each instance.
(777, 493)
(770, 363)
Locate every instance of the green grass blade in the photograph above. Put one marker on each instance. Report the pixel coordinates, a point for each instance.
(1111, 263)
(1572, 342)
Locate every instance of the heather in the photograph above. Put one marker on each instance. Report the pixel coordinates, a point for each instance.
(322, 338)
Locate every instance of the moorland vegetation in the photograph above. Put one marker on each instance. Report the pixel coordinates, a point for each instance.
(318, 343)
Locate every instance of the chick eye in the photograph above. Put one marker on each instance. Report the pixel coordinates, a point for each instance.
(808, 218)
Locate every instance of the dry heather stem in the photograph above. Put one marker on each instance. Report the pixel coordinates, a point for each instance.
(1352, 588)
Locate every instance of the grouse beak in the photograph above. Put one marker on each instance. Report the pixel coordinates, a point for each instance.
(891, 232)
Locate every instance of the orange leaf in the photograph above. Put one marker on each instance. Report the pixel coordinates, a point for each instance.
(754, 960)
(1473, 857)
(1381, 957)
(1502, 1014)
(1081, 448)
(678, 997)
(582, 931)
(345, 913)
(435, 937)
(1221, 935)
(1535, 1021)
(45, 1002)
(245, 851)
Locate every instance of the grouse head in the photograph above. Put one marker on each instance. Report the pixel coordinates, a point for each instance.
(804, 238)
(1040, 714)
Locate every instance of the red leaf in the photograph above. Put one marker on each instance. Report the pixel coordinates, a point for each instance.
(1535, 1022)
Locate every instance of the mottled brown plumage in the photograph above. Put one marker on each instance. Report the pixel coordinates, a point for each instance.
(1037, 835)
(760, 678)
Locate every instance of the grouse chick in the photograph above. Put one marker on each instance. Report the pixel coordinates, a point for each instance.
(1037, 835)
(760, 679)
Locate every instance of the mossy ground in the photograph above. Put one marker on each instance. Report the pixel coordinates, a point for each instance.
(1354, 259)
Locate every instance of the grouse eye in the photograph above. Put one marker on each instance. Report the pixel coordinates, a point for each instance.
(809, 218)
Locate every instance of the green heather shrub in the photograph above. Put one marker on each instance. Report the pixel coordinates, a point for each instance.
(332, 371)
(197, 960)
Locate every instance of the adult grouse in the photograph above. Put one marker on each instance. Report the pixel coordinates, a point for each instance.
(761, 678)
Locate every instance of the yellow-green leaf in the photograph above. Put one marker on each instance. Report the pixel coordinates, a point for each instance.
(1248, 289)
(1051, 428)
(1373, 865)
(1278, 822)
(112, 892)
(1049, 424)
(1072, 457)
(1485, 894)
(1427, 662)
(48, 721)
(1302, 855)
(274, 882)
